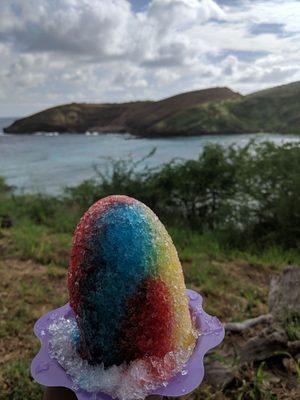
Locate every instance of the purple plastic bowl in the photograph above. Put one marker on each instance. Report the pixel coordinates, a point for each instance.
(48, 372)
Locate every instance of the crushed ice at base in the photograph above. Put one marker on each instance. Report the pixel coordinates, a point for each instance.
(125, 382)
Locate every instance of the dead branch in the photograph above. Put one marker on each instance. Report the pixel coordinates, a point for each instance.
(249, 323)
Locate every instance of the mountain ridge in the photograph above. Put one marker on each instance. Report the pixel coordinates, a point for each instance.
(216, 110)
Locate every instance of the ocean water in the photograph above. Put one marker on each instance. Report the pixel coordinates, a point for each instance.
(50, 162)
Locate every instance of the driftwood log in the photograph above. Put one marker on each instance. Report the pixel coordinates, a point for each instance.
(284, 303)
(272, 338)
(284, 296)
(249, 323)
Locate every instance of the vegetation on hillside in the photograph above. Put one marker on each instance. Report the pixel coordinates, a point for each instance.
(209, 111)
(134, 117)
(272, 110)
(234, 215)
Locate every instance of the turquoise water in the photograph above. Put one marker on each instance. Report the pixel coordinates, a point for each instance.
(48, 163)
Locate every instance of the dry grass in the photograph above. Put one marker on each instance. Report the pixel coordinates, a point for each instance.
(28, 290)
(232, 290)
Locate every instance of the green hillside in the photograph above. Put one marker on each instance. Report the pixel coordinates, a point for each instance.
(271, 110)
(209, 111)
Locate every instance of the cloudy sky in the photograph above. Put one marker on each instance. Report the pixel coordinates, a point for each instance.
(59, 51)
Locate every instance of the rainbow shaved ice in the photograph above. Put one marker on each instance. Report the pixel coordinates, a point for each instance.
(132, 329)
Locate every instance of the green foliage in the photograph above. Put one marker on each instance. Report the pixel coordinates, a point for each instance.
(292, 326)
(36, 242)
(270, 187)
(213, 118)
(248, 197)
(230, 204)
(273, 110)
(40, 209)
(273, 255)
(258, 388)
(196, 191)
(229, 200)
(118, 177)
(17, 383)
(4, 188)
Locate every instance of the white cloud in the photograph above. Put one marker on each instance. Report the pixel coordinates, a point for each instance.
(99, 50)
(179, 14)
(165, 76)
(230, 65)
